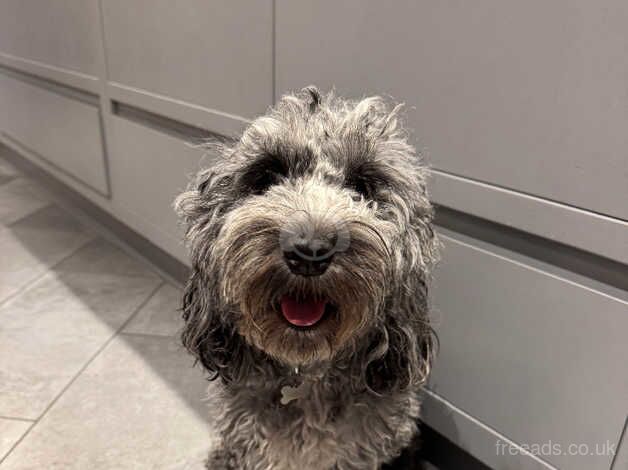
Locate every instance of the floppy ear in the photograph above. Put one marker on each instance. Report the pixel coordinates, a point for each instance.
(209, 333)
(203, 204)
(405, 347)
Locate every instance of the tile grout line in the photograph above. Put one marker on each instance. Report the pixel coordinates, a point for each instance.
(103, 232)
(47, 271)
(33, 212)
(102, 347)
(15, 418)
(83, 367)
(99, 230)
(94, 234)
(2, 459)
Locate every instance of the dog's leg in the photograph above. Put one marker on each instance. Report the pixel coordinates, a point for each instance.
(236, 455)
(221, 458)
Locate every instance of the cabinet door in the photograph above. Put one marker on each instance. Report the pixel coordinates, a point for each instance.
(149, 169)
(61, 34)
(217, 55)
(63, 131)
(524, 95)
(530, 354)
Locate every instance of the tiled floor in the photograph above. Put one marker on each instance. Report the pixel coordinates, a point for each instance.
(91, 373)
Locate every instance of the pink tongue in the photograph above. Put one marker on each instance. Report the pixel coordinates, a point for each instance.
(305, 313)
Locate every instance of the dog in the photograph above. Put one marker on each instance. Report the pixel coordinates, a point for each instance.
(311, 244)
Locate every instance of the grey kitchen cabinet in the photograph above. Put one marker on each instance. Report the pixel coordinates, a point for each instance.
(62, 36)
(147, 195)
(518, 106)
(62, 130)
(213, 55)
(521, 95)
(530, 352)
(50, 60)
(67, 68)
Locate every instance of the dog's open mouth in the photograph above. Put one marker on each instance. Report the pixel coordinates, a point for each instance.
(303, 312)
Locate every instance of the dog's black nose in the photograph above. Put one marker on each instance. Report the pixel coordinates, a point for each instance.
(309, 257)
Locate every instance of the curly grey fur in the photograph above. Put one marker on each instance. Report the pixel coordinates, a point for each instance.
(328, 161)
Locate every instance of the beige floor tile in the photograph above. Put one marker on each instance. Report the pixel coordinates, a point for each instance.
(10, 432)
(20, 197)
(33, 244)
(51, 329)
(116, 262)
(137, 406)
(160, 315)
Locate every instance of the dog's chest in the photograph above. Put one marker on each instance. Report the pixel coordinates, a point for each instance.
(306, 426)
(309, 425)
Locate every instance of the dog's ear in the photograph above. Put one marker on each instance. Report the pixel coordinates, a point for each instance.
(206, 199)
(403, 348)
(412, 339)
(406, 343)
(208, 334)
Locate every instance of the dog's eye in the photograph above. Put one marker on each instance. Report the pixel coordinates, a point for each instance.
(262, 175)
(363, 187)
(366, 181)
(264, 181)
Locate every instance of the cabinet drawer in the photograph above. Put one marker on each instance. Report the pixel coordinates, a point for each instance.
(64, 131)
(536, 357)
(148, 170)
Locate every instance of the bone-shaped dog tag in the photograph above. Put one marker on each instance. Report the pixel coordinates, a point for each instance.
(289, 393)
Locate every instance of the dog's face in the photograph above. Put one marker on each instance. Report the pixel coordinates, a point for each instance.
(308, 231)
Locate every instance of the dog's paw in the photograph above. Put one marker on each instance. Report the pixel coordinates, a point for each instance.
(222, 459)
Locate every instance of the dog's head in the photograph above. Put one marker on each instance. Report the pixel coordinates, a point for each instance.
(309, 236)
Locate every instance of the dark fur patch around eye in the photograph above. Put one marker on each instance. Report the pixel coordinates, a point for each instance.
(366, 179)
(263, 173)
